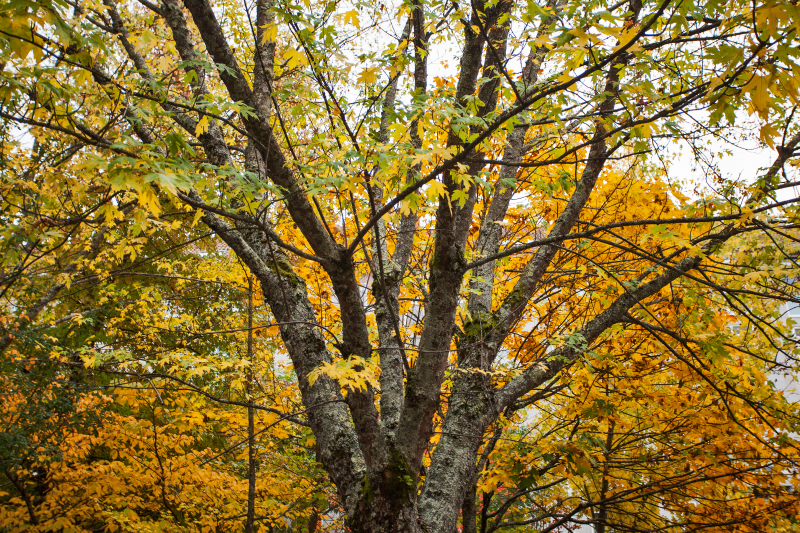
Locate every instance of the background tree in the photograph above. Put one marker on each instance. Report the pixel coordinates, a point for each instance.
(463, 220)
(125, 398)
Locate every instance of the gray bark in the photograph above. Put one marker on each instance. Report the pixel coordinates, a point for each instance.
(389, 273)
(446, 275)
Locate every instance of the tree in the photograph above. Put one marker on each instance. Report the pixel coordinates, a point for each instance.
(462, 218)
(157, 439)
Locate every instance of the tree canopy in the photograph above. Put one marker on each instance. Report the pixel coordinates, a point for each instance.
(419, 266)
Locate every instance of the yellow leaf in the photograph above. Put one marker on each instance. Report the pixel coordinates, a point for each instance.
(351, 17)
(396, 68)
(368, 75)
(543, 40)
(197, 215)
(626, 37)
(293, 58)
(436, 189)
(202, 126)
(270, 33)
(746, 216)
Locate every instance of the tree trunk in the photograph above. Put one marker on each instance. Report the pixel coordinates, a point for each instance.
(251, 459)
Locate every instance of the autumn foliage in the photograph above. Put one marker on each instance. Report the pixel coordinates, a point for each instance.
(413, 267)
